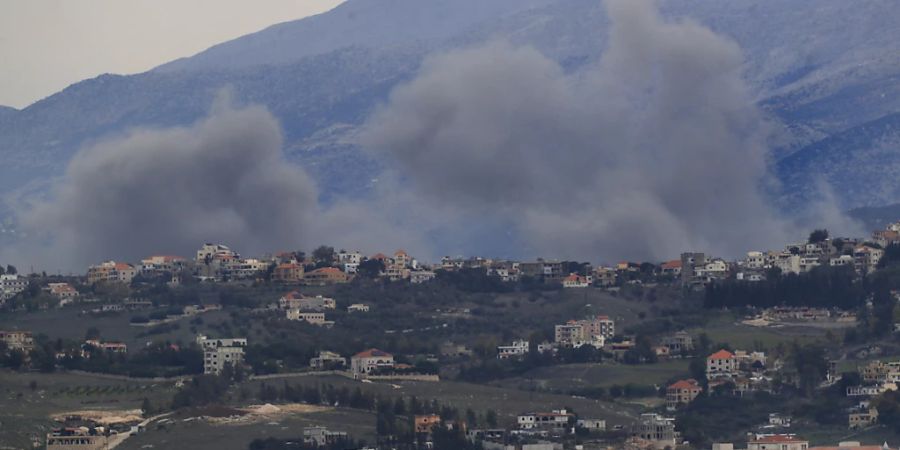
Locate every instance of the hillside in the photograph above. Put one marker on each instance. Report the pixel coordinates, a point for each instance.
(826, 70)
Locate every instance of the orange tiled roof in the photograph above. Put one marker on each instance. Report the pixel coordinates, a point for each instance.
(722, 354)
(684, 384)
(674, 264)
(372, 352)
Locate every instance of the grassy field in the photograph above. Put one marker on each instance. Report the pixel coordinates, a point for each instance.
(507, 402)
(728, 329)
(573, 376)
(66, 323)
(187, 433)
(25, 413)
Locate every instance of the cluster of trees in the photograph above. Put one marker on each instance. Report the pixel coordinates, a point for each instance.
(825, 287)
(9, 270)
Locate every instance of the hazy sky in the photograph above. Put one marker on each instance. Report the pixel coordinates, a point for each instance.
(45, 45)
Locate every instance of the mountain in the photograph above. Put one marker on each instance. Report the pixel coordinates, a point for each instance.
(826, 71)
(876, 217)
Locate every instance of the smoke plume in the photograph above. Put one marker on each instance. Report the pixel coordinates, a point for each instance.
(222, 179)
(656, 149)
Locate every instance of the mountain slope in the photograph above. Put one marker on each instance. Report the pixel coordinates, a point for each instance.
(827, 71)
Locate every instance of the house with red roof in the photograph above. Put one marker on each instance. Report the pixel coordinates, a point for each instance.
(721, 364)
(372, 360)
(576, 281)
(682, 392)
(777, 442)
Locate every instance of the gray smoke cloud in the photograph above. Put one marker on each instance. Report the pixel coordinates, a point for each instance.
(656, 149)
(222, 179)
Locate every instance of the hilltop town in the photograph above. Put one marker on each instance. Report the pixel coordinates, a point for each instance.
(794, 349)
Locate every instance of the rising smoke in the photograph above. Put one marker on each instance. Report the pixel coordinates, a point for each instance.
(222, 179)
(656, 149)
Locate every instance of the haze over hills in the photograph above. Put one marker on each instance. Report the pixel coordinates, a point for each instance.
(826, 71)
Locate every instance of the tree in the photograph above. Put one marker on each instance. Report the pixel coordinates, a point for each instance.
(146, 407)
(818, 236)
(92, 333)
(491, 418)
(323, 256)
(11, 269)
(370, 268)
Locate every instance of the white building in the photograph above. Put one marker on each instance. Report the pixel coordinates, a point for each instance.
(11, 285)
(358, 307)
(518, 348)
(364, 363)
(219, 352)
(556, 419)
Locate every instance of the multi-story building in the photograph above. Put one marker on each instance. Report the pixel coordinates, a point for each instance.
(518, 348)
(325, 276)
(313, 318)
(111, 272)
(296, 300)
(657, 430)
(211, 251)
(17, 340)
(322, 437)
(76, 439)
(557, 419)
(365, 363)
(11, 285)
(219, 352)
(679, 342)
(62, 291)
(327, 360)
(288, 273)
(162, 263)
(721, 364)
(682, 392)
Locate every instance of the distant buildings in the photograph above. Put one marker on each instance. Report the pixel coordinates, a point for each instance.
(17, 340)
(721, 364)
(516, 349)
(592, 331)
(358, 307)
(777, 442)
(557, 419)
(658, 431)
(370, 361)
(11, 285)
(325, 276)
(219, 352)
(682, 392)
(111, 272)
(288, 273)
(328, 361)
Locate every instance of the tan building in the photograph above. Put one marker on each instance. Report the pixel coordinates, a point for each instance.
(364, 363)
(111, 272)
(721, 364)
(682, 392)
(314, 318)
(288, 273)
(17, 340)
(862, 419)
(325, 276)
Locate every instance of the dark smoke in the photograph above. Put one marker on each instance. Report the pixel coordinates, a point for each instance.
(655, 150)
(222, 179)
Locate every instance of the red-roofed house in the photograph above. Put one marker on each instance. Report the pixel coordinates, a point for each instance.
(721, 364)
(671, 267)
(288, 273)
(682, 392)
(576, 281)
(777, 442)
(364, 363)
